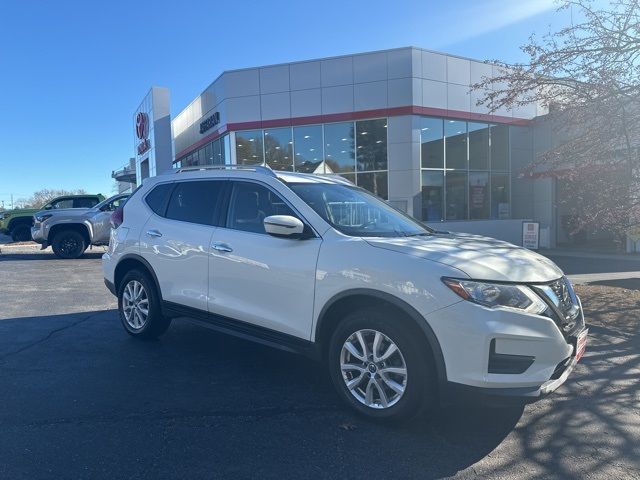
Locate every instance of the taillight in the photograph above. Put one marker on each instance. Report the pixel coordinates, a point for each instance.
(117, 217)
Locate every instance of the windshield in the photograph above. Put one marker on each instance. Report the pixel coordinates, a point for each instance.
(355, 212)
(112, 203)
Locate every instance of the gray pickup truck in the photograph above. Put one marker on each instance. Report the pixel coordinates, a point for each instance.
(70, 231)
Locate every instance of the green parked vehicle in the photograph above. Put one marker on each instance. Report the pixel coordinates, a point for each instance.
(18, 222)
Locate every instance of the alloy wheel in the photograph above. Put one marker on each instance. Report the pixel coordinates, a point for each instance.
(70, 246)
(135, 304)
(373, 369)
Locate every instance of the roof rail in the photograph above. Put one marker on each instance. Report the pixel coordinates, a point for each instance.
(253, 168)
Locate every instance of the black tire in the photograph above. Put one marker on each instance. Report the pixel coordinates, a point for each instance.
(156, 324)
(68, 244)
(21, 233)
(420, 387)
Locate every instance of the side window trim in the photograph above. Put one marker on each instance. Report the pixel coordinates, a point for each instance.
(222, 213)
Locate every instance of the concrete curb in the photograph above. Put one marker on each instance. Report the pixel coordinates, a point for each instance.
(587, 255)
(11, 246)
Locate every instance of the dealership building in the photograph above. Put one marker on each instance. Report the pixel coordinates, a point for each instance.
(402, 123)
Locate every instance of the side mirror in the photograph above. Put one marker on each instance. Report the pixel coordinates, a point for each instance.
(48, 207)
(283, 226)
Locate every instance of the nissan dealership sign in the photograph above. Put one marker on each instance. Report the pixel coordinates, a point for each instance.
(142, 132)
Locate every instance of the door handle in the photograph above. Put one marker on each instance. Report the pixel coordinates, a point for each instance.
(221, 247)
(154, 233)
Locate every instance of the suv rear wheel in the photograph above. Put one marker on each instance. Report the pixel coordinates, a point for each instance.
(379, 368)
(139, 306)
(68, 244)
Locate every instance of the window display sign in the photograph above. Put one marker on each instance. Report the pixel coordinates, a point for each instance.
(531, 235)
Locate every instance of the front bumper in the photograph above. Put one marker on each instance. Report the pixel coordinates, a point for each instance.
(453, 393)
(38, 235)
(501, 356)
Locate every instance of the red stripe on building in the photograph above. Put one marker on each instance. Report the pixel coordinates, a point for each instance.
(351, 116)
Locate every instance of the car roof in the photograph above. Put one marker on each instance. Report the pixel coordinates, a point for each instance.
(248, 171)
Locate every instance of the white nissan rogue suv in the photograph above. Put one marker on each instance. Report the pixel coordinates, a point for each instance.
(404, 316)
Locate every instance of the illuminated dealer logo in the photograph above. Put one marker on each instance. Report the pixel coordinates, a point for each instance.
(142, 125)
(142, 132)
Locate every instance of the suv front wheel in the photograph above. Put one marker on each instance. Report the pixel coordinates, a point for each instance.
(378, 367)
(139, 306)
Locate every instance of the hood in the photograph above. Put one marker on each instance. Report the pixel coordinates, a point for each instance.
(481, 258)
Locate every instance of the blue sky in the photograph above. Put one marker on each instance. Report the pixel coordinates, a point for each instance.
(72, 72)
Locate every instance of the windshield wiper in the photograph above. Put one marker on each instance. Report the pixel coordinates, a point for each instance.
(421, 234)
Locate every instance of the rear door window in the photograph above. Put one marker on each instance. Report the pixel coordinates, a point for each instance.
(196, 201)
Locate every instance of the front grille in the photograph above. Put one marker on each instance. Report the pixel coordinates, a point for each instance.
(563, 303)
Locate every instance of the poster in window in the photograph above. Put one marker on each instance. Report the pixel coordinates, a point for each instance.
(531, 235)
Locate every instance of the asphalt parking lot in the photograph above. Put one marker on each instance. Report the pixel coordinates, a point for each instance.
(79, 398)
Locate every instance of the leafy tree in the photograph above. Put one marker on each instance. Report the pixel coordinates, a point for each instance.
(588, 77)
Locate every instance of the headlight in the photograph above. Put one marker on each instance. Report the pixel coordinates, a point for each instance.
(42, 218)
(494, 295)
(4, 215)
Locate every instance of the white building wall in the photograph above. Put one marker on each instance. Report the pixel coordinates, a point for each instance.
(159, 156)
(353, 83)
(325, 90)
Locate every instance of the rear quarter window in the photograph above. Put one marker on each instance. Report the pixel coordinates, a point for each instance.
(157, 198)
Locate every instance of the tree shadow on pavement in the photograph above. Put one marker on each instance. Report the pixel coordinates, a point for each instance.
(590, 427)
(628, 283)
(229, 393)
(206, 404)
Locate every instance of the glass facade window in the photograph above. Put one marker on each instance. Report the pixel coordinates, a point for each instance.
(213, 153)
(208, 154)
(432, 195)
(478, 146)
(249, 149)
(339, 147)
(218, 152)
(478, 195)
(500, 148)
(375, 182)
(278, 148)
(432, 142)
(455, 133)
(308, 149)
(471, 180)
(371, 145)
(500, 204)
(355, 150)
(456, 185)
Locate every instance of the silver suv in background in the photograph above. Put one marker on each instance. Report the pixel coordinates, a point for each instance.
(70, 231)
